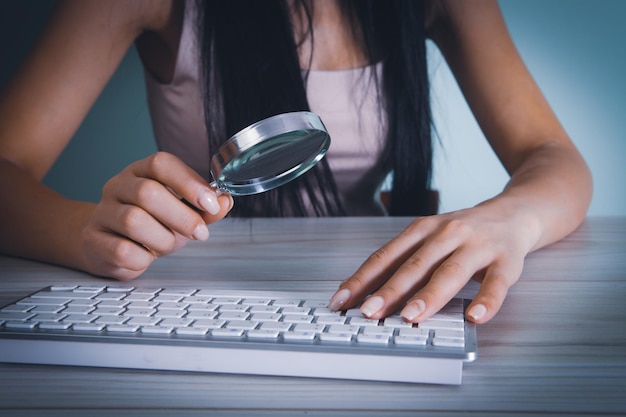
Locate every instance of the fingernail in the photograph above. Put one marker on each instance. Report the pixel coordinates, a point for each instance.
(372, 306)
(339, 299)
(413, 309)
(208, 201)
(201, 232)
(477, 312)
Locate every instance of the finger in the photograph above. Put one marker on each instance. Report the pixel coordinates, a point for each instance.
(226, 203)
(157, 201)
(495, 285)
(446, 281)
(172, 172)
(378, 267)
(134, 223)
(116, 257)
(415, 272)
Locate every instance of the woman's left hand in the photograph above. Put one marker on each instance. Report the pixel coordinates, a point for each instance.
(427, 264)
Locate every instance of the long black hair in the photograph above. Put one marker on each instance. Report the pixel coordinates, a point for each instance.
(251, 71)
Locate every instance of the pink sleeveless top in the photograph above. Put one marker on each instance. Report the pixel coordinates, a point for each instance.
(345, 100)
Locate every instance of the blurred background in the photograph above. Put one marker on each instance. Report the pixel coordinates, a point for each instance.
(573, 48)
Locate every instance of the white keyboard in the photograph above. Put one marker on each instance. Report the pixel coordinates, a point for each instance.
(264, 333)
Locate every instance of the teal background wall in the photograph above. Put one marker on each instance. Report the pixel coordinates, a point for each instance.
(574, 49)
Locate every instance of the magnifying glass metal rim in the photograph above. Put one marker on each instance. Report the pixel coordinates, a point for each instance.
(259, 133)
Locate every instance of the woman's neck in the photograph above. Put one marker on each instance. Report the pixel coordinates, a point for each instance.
(332, 43)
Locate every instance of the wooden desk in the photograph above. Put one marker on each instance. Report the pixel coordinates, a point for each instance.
(557, 347)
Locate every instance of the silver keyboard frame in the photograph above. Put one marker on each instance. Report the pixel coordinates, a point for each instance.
(357, 361)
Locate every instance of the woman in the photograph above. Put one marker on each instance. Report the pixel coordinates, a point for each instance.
(361, 66)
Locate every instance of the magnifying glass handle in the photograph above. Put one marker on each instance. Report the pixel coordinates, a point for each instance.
(217, 189)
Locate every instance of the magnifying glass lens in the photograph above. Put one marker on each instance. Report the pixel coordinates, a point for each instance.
(270, 153)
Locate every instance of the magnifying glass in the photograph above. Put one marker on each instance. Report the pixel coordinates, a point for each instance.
(269, 153)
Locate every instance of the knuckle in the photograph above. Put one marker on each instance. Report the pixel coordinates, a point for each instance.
(109, 186)
(121, 251)
(379, 256)
(389, 292)
(354, 282)
(452, 268)
(499, 282)
(456, 227)
(148, 191)
(159, 160)
(188, 223)
(414, 262)
(131, 218)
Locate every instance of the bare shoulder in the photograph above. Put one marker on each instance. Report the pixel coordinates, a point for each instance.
(460, 18)
(120, 16)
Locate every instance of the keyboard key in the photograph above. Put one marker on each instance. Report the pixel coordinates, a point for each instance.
(111, 320)
(287, 303)
(88, 327)
(226, 300)
(336, 337)
(265, 317)
(122, 328)
(256, 301)
(298, 318)
(441, 324)
(157, 329)
(315, 303)
(120, 288)
(143, 321)
(25, 325)
(94, 289)
(176, 322)
(448, 342)
(263, 334)
(378, 330)
(80, 318)
(307, 327)
(208, 323)
(63, 287)
(43, 301)
(47, 309)
(191, 331)
(241, 324)
(410, 340)
(202, 314)
(343, 328)
(299, 336)
(325, 311)
(108, 311)
(78, 310)
(396, 321)
(295, 310)
(227, 332)
(331, 320)
(234, 307)
(185, 292)
(379, 339)
(172, 313)
(234, 315)
(278, 325)
(17, 308)
(414, 332)
(362, 321)
(55, 325)
(49, 317)
(150, 291)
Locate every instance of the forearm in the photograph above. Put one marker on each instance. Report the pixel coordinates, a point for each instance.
(38, 223)
(548, 194)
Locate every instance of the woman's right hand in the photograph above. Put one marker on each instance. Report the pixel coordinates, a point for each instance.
(141, 216)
